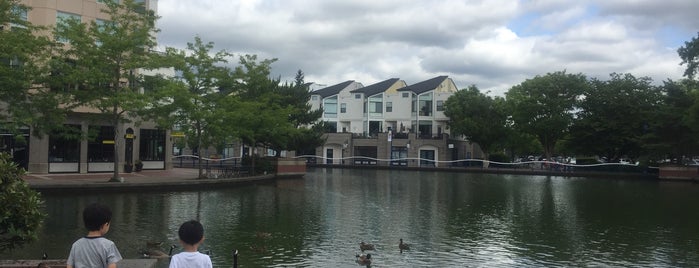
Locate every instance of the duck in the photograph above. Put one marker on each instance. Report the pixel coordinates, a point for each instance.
(156, 254)
(403, 246)
(364, 259)
(364, 246)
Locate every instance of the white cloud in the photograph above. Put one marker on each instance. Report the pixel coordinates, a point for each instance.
(474, 42)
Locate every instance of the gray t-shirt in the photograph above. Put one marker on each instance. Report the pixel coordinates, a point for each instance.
(93, 252)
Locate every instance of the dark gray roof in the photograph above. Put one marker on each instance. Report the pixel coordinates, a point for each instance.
(425, 86)
(377, 88)
(332, 90)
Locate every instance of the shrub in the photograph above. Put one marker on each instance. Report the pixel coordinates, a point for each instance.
(21, 215)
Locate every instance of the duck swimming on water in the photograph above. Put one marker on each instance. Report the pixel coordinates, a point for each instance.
(364, 246)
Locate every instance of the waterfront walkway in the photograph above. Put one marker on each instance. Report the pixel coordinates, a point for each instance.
(172, 179)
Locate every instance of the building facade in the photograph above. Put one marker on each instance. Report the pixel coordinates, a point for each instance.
(390, 123)
(143, 142)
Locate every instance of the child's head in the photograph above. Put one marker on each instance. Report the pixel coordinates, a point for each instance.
(95, 216)
(191, 232)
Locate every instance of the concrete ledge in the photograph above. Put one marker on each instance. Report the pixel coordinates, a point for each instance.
(126, 263)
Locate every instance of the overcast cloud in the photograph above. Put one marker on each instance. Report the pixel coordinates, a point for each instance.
(493, 44)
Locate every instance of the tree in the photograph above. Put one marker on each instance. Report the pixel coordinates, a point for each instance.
(191, 102)
(24, 55)
(100, 62)
(480, 118)
(613, 116)
(544, 106)
(671, 133)
(21, 215)
(689, 53)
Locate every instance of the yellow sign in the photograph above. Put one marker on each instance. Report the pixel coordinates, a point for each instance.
(107, 142)
(129, 136)
(177, 134)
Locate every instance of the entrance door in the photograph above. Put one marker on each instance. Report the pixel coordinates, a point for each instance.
(329, 156)
(17, 147)
(128, 153)
(425, 156)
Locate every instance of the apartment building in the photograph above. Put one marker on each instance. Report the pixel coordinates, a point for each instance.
(54, 154)
(389, 123)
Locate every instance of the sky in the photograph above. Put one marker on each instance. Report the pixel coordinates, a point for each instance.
(493, 44)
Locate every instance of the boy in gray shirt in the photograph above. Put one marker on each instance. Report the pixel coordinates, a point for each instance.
(94, 250)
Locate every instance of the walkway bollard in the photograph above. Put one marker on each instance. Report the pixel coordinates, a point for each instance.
(235, 258)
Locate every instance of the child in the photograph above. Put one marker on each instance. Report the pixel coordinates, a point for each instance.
(94, 250)
(191, 236)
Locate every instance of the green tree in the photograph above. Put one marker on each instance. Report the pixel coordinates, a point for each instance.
(24, 55)
(671, 132)
(613, 116)
(544, 106)
(191, 102)
(480, 118)
(100, 63)
(689, 53)
(21, 215)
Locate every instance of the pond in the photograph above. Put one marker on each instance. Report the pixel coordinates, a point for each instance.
(450, 219)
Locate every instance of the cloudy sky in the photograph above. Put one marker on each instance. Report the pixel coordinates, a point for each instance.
(493, 44)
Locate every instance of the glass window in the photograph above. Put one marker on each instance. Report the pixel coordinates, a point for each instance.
(376, 105)
(440, 105)
(152, 145)
(425, 104)
(330, 107)
(406, 94)
(314, 97)
(64, 145)
(357, 96)
(20, 12)
(343, 108)
(61, 19)
(100, 146)
(389, 106)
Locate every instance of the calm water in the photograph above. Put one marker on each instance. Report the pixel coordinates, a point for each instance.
(450, 220)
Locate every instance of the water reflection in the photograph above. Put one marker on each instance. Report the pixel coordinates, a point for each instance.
(450, 220)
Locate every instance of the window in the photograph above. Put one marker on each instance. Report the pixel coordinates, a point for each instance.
(64, 145)
(330, 107)
(440, 105)
(152, 145)
(376, 105)
(357, 96)
(389, 106)
(20, 12)
(100, 148)
(406, 94)
(343, 108)
(314, 97)
(425, 104)
(62, 18)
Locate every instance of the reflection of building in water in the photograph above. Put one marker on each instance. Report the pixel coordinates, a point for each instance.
(388, 120)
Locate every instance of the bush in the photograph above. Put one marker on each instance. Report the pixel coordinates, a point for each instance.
(262, 164)
(21, 215)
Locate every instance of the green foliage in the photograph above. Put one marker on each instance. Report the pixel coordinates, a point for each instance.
(689, 53)
(24, 56)
(21, 215)
(261, 164)
(480, 118)
(613, 116)
(99, 64)
(544, 106)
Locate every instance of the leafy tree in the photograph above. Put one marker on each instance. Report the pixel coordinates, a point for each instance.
(671, 133)
(480, 118)
(24, 54)
(101, 60)
(544, 106)
(613, 117)
(689, 53)
(191, 102)
(21, 215)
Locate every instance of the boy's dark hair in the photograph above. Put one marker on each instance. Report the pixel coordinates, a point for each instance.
(191, 232)
(95, 215)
